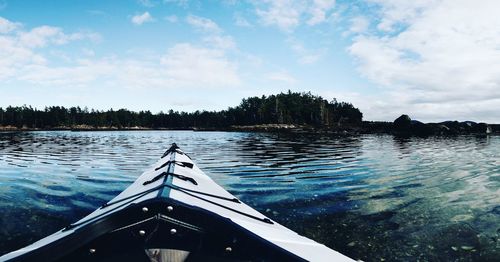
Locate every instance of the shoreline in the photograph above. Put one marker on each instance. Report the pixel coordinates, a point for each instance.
(77, 129)
(364, 128)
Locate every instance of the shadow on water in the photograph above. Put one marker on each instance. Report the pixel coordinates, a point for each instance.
(372, 197)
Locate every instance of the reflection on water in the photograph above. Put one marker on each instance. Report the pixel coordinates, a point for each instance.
(370, 197)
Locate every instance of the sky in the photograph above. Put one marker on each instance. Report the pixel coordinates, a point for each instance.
(434, 60)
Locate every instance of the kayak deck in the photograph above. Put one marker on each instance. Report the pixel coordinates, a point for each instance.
(174, 212)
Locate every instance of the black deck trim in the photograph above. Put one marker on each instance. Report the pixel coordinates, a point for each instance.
(179, 163)
(162, 174)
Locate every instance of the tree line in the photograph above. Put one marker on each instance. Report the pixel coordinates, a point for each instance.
(284, 108)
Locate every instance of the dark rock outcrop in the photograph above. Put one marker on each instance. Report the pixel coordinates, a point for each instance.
(405, 126)
(402, 123)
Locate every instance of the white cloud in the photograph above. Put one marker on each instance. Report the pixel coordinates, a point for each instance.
(239, 20)
(79, 74)
(39, 36)
(443, 61)
(34, 57)
(14, 56)
(396, 11)
(142, 18)
(288, 14)
(282, 76)
(172, 18)
(182, 66)
(203, 24)
(359, 24)
(319, 10)
(7, 26)
(20, 49)
(213, 34)
(285, 14)
(220, 41)
(305, 56)
(188, 65)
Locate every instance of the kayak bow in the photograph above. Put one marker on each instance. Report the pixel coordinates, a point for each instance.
(174, 212)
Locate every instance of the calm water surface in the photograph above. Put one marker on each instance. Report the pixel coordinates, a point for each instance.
(371, 197)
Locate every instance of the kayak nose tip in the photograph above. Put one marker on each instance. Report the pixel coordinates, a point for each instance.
(172, 148)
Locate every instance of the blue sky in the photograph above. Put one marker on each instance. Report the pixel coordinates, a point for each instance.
(432, 59)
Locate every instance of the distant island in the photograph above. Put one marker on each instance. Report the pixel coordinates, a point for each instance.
(284, 112)
(405, 126)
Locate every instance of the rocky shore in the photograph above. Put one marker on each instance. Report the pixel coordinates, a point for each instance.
(85, 128)
(405, 126)
(402, 126)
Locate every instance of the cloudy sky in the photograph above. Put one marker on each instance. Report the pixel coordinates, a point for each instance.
(432, 59)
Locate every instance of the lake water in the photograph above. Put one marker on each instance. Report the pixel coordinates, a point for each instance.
(370, 197)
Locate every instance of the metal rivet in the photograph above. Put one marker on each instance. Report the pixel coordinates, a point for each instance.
(170, 208)
(142, 232)
(173, 231)
(145, 209)
(91, 251)
(229, 249)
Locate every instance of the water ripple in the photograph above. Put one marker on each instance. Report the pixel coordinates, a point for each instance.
(371, 197)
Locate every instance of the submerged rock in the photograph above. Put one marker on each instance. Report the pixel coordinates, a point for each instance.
(467, 248)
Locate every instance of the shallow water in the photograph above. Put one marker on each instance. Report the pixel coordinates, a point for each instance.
(370, 197)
